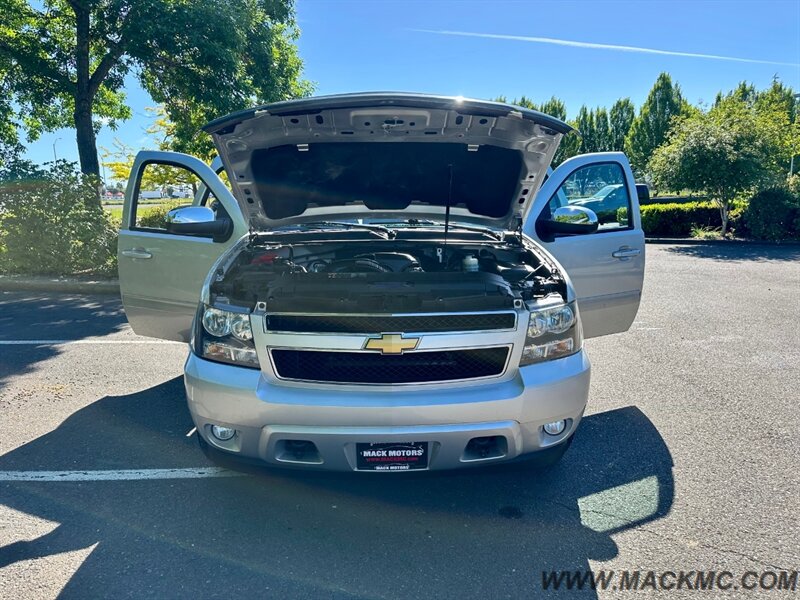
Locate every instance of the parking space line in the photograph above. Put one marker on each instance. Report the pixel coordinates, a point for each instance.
(119, 475)
(64, 342)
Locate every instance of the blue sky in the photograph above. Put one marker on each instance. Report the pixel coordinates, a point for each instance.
(359, 45)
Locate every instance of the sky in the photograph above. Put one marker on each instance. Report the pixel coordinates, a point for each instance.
(585, 52)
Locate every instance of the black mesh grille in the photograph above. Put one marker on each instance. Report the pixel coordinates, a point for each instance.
(365, 367)
(388, 323)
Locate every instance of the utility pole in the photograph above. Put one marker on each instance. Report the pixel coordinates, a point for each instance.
(55, 156)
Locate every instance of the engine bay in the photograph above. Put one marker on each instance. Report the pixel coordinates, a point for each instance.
(391, 275)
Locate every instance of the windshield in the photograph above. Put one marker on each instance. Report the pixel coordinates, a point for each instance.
(603, 192)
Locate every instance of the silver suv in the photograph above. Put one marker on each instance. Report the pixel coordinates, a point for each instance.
(384, 281)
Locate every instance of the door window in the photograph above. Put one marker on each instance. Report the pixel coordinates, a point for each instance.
(601, 188)
(162, 187)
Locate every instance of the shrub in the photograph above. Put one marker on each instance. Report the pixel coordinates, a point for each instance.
(675, 220)
(793, 185)
(156, 216)
(773, 214)
(51, 222)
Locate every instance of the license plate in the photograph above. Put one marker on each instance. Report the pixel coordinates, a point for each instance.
(395, 456)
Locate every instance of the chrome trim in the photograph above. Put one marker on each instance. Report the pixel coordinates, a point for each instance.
(392, 315)
(509, 347)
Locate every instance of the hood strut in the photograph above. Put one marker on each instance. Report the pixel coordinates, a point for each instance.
(447, 211)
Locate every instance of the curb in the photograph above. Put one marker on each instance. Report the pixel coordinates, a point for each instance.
(14, 283)
(695, 242)
(74, 285)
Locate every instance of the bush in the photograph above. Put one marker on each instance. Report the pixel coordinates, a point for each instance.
(678, 220)
(156, 216)
(793, 185)
(773, 214)
(52, 224)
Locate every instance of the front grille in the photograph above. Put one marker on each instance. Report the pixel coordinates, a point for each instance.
(389, 323)
(412, 367)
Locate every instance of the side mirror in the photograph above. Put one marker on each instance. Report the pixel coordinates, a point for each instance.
(198, 220)
(571, 220)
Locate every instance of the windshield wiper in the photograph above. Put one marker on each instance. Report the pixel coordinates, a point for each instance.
(487, 230)
(385, 231)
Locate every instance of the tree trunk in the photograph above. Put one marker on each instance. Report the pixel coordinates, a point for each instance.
(87, 144)
(724, 211)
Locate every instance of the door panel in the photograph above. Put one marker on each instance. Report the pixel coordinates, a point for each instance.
(606, 267)
(161, 273)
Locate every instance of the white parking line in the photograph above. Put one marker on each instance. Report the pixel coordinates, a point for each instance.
(121, 475)
(64, 342)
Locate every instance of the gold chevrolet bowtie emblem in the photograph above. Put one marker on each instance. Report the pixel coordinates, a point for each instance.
(391, 343)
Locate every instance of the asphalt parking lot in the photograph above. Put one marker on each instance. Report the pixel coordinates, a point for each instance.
(688, 460)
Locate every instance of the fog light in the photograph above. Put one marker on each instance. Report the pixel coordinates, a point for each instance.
(555, 428)
(222, 433)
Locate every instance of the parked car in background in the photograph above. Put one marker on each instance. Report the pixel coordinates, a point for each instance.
(605, 202)
(386, 283)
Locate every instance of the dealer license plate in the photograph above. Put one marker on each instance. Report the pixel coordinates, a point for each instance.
(395, 456)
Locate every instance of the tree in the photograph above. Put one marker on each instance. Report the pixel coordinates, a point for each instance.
(776, 113)
(602, 131)
(69, 59)
(620, 119)
(720, 152)
(650, 128)
(584, 123)
(119, 159)
(570, 143)
(10, 147)
(555, 107)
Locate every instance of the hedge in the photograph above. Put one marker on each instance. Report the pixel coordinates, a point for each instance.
(52, 224)
(773, 214)
(675, 220)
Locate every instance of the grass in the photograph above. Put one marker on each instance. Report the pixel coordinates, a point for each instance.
(706, 233)
(115, 210)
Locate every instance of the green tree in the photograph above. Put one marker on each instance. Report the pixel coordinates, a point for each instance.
(602, 130)
(620, 119)
(69, 60)
(650, 128)
(570, 143)
(584, 123)
(555, 107)
(720, 152)
(776, 113)
(10, 147)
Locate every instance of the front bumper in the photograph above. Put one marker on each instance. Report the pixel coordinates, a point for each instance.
(266, 415)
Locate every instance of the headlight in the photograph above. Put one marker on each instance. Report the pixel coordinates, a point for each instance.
(225, 336)
(553, 332)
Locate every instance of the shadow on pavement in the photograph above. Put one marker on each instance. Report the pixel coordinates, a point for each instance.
(26, 316)
(739, 252)
(476, 533)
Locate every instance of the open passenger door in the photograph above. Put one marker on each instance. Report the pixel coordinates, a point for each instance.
(606, 266)
(161, 272)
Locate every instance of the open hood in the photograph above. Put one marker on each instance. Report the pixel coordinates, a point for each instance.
(386, 156)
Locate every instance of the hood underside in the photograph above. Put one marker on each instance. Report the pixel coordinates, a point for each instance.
(385, 156)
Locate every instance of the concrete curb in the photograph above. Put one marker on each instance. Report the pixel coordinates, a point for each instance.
(75, 285)
(68, 285)
(694, 242)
